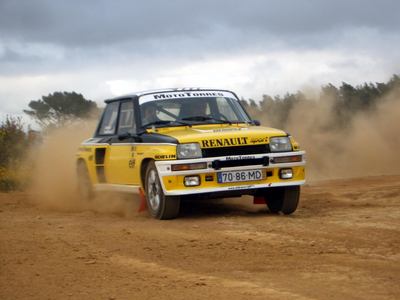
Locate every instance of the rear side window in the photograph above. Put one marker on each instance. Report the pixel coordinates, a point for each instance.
(109, 121)
(126, 118)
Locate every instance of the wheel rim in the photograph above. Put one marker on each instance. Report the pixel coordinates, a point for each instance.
(153, 190)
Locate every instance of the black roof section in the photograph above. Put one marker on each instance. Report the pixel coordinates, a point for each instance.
(158, 91)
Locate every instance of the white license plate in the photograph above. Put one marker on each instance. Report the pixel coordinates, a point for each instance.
(237, 176)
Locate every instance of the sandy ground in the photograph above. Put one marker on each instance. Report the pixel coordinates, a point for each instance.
(342, 243)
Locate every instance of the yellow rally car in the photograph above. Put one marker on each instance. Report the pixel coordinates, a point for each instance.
(175, 144)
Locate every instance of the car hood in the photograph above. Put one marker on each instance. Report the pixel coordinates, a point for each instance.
(221, 135)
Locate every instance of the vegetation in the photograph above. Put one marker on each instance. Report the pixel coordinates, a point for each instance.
(13, 146)
(52, 111)
(345, 102)
(59, 108)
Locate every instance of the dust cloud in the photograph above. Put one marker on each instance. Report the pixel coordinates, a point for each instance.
(368, 146)
(54, 184)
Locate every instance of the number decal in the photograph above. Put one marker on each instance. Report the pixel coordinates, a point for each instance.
(132, 163)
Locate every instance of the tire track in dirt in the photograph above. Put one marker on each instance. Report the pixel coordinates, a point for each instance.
(241, 286)
(342, 243)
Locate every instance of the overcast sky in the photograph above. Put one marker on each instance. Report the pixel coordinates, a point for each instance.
(254, 47)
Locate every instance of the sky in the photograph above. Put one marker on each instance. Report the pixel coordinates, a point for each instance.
(107, 48)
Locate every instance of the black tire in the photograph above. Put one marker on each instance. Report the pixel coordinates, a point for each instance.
(160, 206)
(284, 199)
(274, 199)
(85, 188)
(291, 199)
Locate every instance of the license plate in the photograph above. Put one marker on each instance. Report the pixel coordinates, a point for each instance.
(238, 176)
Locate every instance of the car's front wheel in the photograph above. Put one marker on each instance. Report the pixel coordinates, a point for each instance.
(160, 206)
(284, 199)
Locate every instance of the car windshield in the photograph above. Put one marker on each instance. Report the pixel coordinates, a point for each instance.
(167, 111)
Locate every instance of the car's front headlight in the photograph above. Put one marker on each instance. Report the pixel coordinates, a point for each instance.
(280, 144)
(190, 150)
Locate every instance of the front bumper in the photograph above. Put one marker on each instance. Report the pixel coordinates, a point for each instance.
(173, 181)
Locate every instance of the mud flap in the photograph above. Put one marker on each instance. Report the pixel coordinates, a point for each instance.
(143, 202)
(258, 200)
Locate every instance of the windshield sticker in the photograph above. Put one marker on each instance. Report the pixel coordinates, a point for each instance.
(184, 94)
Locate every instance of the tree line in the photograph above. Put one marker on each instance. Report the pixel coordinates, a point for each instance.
(60, 108)
(345, 102)
(16, 143)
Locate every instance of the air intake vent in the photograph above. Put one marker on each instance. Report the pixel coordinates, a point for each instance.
(238, 150)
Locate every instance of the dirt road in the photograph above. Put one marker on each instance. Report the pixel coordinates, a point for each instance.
(342, 243)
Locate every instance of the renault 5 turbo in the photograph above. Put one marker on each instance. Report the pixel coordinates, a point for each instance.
(176, 144)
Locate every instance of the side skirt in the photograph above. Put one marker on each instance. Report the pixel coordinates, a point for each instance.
(124, 188)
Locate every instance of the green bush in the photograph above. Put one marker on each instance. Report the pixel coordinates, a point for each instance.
(13, 147)
(9, 184)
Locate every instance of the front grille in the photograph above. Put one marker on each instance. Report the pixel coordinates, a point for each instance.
(218, 164)
(237, 150)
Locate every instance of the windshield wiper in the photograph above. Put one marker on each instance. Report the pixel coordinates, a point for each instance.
(203, 118)
(166, 122)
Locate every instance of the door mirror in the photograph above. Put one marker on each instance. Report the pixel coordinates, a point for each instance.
(256, 122)
(128, 135)
(124, 136)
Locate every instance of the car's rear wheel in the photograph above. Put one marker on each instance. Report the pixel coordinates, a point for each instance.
(85, 188)
(284, 199)
(160, 206)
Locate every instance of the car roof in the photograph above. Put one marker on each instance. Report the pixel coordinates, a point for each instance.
(156, 91)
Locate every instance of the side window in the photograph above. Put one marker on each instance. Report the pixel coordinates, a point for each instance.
(126, 118)
(109, 121)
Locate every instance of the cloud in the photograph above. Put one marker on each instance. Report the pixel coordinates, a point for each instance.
(103, 48)
(101, 23)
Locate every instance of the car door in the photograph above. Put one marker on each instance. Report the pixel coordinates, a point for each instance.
(104, 133)
(121, 167)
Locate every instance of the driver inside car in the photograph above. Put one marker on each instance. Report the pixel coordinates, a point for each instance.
(195, 109)
(149, 114)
